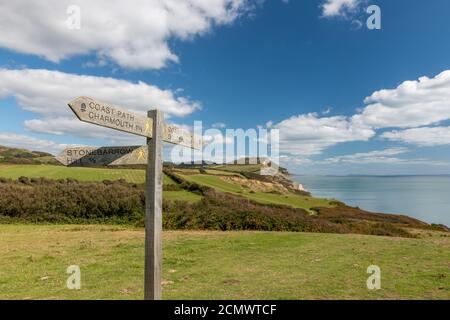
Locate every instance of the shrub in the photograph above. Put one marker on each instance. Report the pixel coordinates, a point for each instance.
(24, 180)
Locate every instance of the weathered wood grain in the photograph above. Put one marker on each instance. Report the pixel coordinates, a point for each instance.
(153, 210)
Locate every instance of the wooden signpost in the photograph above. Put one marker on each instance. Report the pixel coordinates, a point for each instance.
(152, 127)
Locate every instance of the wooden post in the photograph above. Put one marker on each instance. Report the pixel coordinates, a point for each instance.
(153, 210)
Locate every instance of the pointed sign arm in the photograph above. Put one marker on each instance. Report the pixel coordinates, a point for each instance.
(114, 117)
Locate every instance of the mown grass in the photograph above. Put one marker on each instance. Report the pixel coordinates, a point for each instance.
(81, 174)
(293, 200)
(220, 265)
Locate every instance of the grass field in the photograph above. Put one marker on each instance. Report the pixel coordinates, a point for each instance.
(181, 195)
(81, 174)
(220, 265)
(293, 200)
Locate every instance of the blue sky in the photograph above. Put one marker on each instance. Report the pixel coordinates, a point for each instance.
(346, 99)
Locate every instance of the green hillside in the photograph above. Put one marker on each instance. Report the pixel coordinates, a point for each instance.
(273, 196)
(22, 156)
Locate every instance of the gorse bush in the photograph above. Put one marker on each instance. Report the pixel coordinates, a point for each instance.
(70, 201)
(219, 211)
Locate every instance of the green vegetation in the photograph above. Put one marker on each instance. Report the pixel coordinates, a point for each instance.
(212, 179)
(22, 156)
(181, 195)
(291, 199)
(214, 182)
(81, 174)
(40, 200)
(69, 201)
(220, 265)
(238, 167)
(203, 202)
(205, 264)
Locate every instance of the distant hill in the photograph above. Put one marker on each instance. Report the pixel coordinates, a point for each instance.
(21, 156)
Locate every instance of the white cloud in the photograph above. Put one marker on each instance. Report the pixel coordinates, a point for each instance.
(385, 156)
(376, 156)
(308, 134)
(133, 35)
(336, 8)
(48, 92)
(411, 104)
(31, 143)
(425, 136)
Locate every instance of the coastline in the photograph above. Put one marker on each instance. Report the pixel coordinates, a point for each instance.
(418, 196)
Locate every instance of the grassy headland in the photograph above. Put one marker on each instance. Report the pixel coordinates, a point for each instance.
(220, 265)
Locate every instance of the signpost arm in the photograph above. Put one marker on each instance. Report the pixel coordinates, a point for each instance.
(153, 210)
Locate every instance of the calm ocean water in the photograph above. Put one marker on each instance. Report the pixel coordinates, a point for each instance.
(426, 198)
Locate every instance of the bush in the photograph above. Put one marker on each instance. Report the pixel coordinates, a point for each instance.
(70, 201)
(24, 180)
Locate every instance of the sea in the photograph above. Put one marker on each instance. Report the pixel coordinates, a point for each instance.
(426, 198)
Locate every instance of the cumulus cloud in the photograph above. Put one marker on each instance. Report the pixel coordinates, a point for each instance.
(133, 35)
(336, 8)
(425, 136)
(48, 92)
(309, 134)
(412, 104)
(31, 143)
